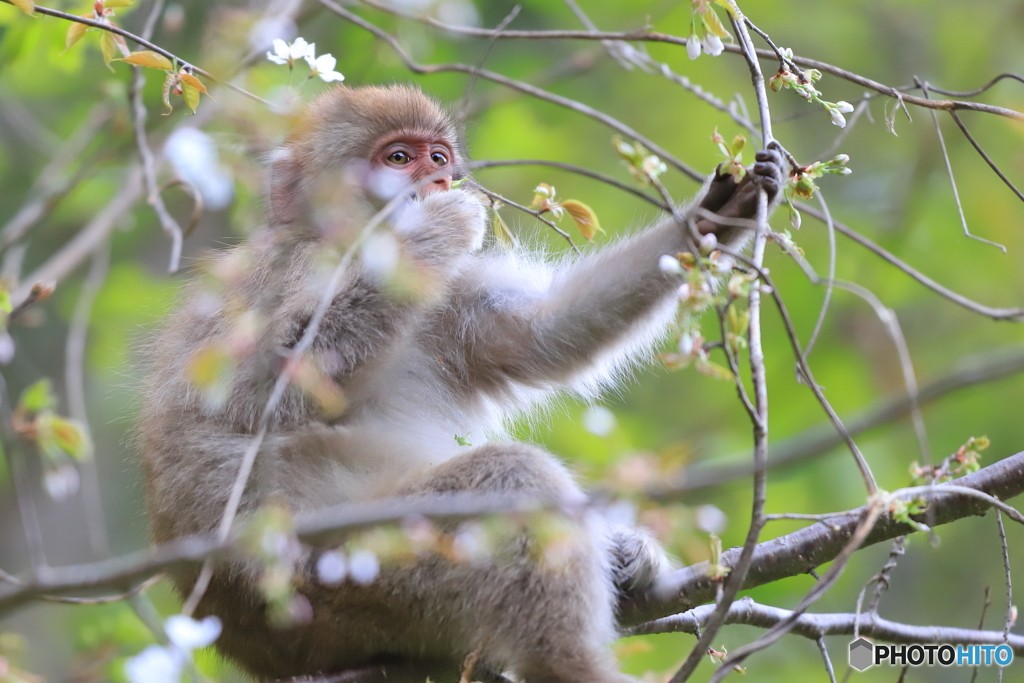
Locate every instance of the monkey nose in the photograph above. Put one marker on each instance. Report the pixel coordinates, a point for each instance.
(442, 183)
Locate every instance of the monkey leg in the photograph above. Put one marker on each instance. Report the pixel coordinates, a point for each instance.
(543, 609)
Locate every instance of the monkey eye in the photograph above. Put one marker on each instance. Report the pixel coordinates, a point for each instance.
(439, 159)
(399, 158)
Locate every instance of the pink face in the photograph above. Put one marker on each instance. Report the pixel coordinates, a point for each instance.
(416, 157)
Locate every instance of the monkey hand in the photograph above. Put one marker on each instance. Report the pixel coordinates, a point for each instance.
(443, 226)
(730, 199)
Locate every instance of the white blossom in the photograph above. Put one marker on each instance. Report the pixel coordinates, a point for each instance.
(686, 344)
(188, 634)
(712, 44)
(193, 154)
(837, 118)
(284, 53)
(155, 664)
(6, 348)
(693, 46)
(708, 243)
(331, 568)
(61, 482)
(323, 66)
(711, 520)
(380, 256)
(599, 421)
(669, 264)
(363, 567)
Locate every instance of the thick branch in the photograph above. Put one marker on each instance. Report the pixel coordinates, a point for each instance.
(803, 550)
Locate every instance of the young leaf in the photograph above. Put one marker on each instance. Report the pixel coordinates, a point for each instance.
(112, 4)
(194, 82)
(5, 300)
(69, 437)
(584, 216)
(108, 46)
(75, 32)
(714, 370)
(502, 233)
(147, 58)
(170, 82)
(209, 366)
(26, 6)
(191, 96)
(38, 397)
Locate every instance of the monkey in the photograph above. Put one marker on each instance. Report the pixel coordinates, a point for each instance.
(487, 335)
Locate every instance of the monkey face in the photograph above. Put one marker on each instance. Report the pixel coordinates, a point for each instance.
(416, 159)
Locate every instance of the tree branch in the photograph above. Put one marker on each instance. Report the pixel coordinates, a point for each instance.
(803, 550)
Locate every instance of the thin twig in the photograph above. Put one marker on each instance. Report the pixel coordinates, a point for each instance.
(881, 579)
(532, 212)
(828, 661)
(54, 181)
(85, 241)
(1011, 314)
(74, 382)
(952, 180)
(153, 196)
(1009, 585)
(14, 449)
(986, 157)
(889, 321)
(571, 168)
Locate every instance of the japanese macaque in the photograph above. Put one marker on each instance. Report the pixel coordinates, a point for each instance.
(473, 338)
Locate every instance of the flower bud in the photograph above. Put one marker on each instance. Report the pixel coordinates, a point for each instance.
(669, 264)
(712, 44)
(708, 243)
(693, 46)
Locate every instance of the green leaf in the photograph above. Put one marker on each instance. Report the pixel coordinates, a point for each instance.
(75, 32)
(501, 232)
(108, 46)
(714, 370)
(67, 435)
(5, 300)
(194, 82)
(26, 6)
(584, 217)
(170, 82)
(147, 58)
(191, 96)
(209, 366)
(113, 4)
(38, 397)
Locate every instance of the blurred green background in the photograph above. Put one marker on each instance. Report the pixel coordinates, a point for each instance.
(898, 195)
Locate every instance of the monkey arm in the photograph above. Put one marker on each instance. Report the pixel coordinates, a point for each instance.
(598, 313)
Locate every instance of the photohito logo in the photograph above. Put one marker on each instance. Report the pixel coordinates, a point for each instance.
(864, 654)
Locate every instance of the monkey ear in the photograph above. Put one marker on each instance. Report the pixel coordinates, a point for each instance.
(285, 192)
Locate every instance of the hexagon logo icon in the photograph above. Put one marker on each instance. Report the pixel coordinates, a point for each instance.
(861, 654)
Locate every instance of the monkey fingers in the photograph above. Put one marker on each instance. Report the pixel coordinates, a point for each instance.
(765, 174)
